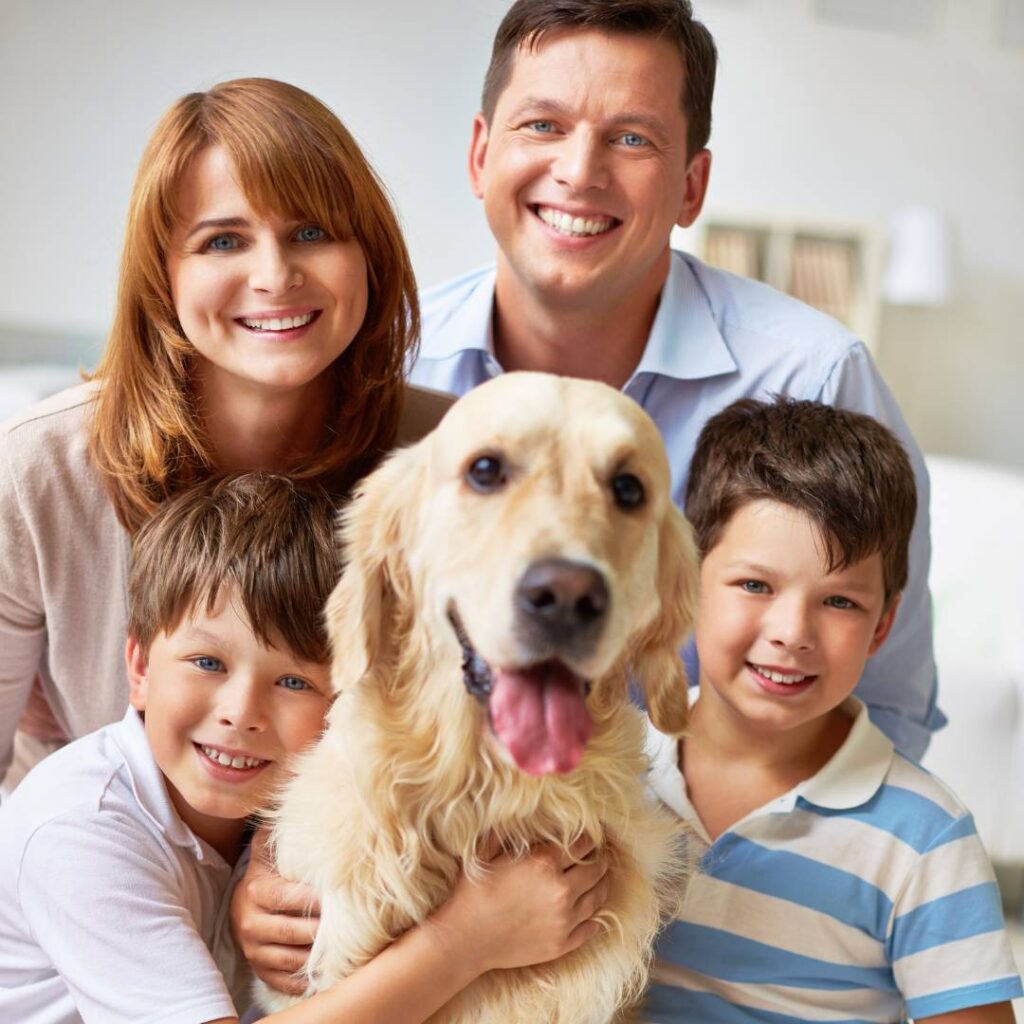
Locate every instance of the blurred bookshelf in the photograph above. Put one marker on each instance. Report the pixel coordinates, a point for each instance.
(834, 266)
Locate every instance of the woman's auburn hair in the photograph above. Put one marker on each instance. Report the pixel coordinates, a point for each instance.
(294, 158)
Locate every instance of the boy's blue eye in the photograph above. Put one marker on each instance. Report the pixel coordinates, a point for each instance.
(310, 233)
(208, 664)
(754, 587)
(295, 683)
(840, 602)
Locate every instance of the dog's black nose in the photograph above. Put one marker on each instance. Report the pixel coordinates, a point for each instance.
(562, 604)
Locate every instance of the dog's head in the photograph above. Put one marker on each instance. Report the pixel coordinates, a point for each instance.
(533, 533)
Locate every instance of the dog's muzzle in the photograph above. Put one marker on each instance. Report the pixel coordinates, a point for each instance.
(561, 608)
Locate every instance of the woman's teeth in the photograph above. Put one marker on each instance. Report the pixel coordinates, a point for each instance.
(566, 224)
(284, 323)
(228, 761)
(779, 677)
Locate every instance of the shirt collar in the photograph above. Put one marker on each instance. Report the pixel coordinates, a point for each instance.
(685, 341)
(850, 778)
(469, 327)
(150, 788)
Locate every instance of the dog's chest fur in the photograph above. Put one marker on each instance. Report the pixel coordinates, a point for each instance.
(397, 820)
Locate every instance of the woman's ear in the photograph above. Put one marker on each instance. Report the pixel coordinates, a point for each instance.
(137, 662)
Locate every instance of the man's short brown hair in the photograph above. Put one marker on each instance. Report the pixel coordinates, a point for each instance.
(269, 540)
(528, 21)
(847, 472)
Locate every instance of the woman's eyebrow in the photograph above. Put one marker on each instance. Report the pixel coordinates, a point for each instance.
(217, 222)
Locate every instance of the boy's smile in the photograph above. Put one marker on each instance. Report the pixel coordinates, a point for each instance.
(223, 715)
(782, 639)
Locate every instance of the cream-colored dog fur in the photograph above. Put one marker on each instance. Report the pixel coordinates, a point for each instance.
(409, 777)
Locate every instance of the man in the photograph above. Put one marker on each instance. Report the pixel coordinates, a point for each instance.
(590, 147)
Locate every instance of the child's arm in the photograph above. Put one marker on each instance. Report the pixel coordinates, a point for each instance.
(994, 1013)
(527, 911)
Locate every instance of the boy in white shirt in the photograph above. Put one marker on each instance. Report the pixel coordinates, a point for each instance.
(839, 881)
(116, 852)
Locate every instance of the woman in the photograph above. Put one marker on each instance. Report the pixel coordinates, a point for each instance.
(265, 313)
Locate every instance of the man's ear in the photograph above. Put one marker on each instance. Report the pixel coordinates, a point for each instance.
(478, 154)
(698, 173)
(137, 661)
(884, 627)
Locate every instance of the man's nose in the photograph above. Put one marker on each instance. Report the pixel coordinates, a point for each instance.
(580, 161)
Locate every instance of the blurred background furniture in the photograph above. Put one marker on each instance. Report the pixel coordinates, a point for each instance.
(977, 584)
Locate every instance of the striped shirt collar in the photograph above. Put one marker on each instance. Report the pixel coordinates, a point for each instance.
(850, 778)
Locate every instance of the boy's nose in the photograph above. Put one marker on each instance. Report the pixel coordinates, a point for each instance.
(792, 626)
(241, 708)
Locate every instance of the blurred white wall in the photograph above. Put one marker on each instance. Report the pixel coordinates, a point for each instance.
(812, 119)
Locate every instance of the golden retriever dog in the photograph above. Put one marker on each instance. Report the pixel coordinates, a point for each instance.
(506, 576)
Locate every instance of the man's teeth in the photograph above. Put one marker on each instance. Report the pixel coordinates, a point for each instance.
(228, 761)
(779, 677)
(283, 323)
(569, 225)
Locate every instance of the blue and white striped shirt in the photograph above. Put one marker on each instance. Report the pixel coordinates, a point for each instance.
(862, 895)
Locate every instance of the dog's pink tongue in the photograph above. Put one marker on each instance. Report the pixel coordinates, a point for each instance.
(540, 717)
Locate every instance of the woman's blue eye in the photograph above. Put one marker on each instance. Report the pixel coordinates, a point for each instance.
(208, 664)
(754, 587)
(294, 683)
(311, 233)
(222, 243)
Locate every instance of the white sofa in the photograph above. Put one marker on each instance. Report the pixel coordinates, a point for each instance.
(977, 584)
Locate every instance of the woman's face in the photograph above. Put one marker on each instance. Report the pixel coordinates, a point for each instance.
(268, 303)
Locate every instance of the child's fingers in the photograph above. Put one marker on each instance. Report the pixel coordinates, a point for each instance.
(284, 930)
(582, 933)
(583, 877)
(592, 900)
(282, 981)
(579, 850)
(283, 959)
(276, 895)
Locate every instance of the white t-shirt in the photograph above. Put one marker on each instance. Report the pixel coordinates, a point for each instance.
(111, 908)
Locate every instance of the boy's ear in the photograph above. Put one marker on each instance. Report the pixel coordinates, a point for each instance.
(137, 662)
(884, 627)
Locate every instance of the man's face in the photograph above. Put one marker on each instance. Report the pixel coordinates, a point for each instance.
(583, 171)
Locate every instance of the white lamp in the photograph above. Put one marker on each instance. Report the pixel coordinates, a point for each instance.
(918, 272)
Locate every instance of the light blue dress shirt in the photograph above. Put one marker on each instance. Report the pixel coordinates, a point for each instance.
(716, 338)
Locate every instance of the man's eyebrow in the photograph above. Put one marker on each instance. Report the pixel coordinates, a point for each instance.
(217, 222)
(545, 105)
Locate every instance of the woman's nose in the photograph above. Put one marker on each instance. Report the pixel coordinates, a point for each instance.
(274, 269)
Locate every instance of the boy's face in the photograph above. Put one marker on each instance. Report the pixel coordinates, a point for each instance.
(213, 694)
(783, 641)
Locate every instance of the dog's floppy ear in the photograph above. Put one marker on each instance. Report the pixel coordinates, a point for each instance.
(375, 580)
(657, 663)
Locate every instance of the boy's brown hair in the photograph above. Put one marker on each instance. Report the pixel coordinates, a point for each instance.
(844, 470)
(528, 21)
(269, 539)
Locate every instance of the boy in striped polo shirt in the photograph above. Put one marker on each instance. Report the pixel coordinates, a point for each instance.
(838, 880)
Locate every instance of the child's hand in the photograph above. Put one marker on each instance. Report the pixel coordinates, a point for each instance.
(274, 921)
(525, 911)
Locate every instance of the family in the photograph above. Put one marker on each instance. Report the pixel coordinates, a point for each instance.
(168, 546)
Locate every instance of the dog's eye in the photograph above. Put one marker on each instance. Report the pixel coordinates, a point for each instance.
(486, 473)
(628, 491)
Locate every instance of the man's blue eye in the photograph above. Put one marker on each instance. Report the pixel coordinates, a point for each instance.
(311, 233)
(542, 126)
(754, 587)
(294, 683)
(633, 141)
(208, 664)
